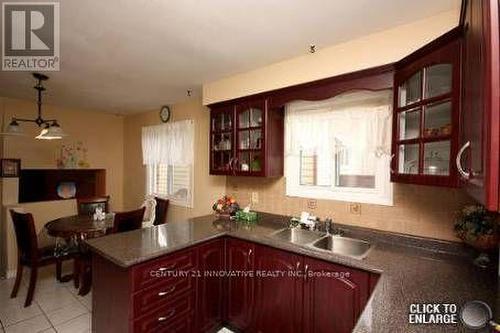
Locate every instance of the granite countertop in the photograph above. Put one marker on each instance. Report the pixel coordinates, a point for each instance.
(413, 270)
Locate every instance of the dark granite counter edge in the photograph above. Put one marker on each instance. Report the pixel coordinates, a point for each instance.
(153, 255)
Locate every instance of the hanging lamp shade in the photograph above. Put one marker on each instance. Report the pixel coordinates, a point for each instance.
(51, 132)
(13, 129)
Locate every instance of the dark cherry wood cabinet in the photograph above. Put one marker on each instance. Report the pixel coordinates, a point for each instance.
(240, 257)
(333, 297)
(246, 139)
(480, 142)
(148, 297)
(263, 290)
(287, 294)
(426, 120)
(210, 286)
(278, 291)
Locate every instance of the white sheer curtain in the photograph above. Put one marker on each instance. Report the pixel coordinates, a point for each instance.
(170, 144)
(361, 118)
(348, 135)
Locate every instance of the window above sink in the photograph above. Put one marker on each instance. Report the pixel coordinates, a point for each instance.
(339, 148)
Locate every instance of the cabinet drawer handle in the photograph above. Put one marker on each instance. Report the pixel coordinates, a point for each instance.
(390, 163)
(465, 174)
(163, 269)
(170, 314)
(163, 293)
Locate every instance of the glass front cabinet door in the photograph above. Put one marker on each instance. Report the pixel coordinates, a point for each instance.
(426, 117)
(249, 138)
(239, 145)
(221, 140)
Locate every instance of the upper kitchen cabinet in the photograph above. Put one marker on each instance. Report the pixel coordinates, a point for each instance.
(246, 139)
(426, 123)
(478, 162)
(221, 140)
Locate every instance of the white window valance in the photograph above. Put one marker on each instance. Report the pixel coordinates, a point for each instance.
(170, 144)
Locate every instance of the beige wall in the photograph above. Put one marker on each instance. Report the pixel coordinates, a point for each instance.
(101, 133)
(206, 188)
(418, 210)
(369, 51)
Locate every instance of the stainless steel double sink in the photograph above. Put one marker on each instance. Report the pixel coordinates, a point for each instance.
(337, 244)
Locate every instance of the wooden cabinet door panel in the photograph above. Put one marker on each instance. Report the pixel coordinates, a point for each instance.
(240, 289)
(278, 300)
(333, 298)
(481, 99)
(210, 286)
(426, 125)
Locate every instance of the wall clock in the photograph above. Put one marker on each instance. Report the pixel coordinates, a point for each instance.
(165, 113)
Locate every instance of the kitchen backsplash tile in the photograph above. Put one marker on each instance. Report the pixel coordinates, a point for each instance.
(418, 210)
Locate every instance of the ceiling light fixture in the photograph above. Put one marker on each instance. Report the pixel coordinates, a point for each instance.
(51, 129)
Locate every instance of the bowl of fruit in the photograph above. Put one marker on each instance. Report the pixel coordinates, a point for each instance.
(225, 206)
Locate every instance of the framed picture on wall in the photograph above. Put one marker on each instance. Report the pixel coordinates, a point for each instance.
(10, 167)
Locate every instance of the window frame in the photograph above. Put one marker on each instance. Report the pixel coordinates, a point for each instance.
(151, 171)
(381, 194)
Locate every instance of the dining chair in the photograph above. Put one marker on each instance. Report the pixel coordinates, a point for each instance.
(32, 253)
(161, 211)
(127, 221)
(87, 206)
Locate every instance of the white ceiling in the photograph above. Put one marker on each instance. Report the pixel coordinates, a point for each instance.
(131, 55)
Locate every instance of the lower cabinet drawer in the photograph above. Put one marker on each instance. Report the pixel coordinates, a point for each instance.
(156, 296)
(174, 316)
(156, 271)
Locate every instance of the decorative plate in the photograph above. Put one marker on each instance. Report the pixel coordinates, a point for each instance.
(66, 190)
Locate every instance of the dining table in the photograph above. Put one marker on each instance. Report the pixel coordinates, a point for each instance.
(70, 233)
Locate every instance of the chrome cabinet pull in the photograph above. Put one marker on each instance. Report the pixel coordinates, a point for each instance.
(163, 293)
(235, 162)
(390, 163)
(163, 269)
(170, 314)
(465, 174)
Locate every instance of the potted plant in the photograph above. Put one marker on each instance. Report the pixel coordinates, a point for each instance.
(225, 206)
(478, 228)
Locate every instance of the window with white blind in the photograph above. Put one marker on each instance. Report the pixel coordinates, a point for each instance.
(172, 182)
(339, 149)
(168, 153)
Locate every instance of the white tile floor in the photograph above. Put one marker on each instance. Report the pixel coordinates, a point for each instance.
(56, 307)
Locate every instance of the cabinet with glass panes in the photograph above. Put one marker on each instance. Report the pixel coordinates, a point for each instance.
(426, 115)
(239, 145)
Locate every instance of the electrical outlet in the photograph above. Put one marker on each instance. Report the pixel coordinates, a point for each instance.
(312, 204)
(255, 197)
(355, 208)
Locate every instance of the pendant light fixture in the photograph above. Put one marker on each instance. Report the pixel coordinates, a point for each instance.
(50, 127)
